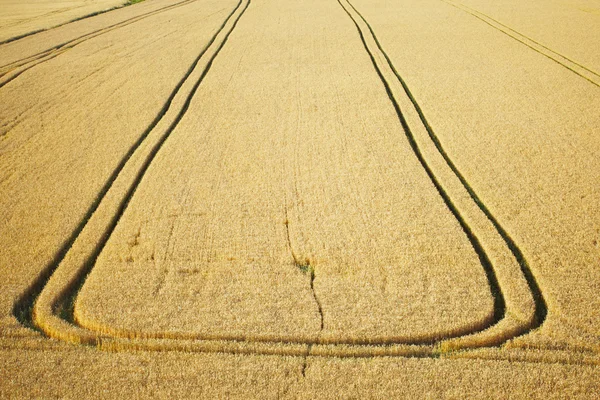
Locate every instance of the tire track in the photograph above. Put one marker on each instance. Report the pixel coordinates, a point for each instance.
(58, 296)
(23, 309)
(499, 302)
(66, 301)
(578, 69)
(540, 307)
(53, 307)
(11, 71)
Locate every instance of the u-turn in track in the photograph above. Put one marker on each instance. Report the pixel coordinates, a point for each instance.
(519, 304)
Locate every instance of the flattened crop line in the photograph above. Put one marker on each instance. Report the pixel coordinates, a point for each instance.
(541, 309)
(584, 72)
(499, 302)
(23, 308)
(15, 69)
(15, 38)
(66, 304)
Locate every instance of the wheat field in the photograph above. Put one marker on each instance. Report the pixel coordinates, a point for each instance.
(285, 199)
(21, 18)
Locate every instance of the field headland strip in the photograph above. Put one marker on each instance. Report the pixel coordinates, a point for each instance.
(13, 70)
(573, 66)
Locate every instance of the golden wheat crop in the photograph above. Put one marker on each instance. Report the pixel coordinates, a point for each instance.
(20, 18)
(316, 199)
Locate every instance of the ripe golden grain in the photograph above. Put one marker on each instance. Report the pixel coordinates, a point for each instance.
(327, 198)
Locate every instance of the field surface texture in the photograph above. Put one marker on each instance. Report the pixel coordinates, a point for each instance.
(20, 18)
(300, 199)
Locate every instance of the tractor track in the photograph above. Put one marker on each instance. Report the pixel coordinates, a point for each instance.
(24, 306)
(122, 341)
(573, 66)
(541, 308)
(11, 71)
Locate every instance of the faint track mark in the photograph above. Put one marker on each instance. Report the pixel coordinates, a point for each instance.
(10, 72)
(573, 66)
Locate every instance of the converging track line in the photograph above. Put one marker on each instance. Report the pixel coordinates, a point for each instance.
(13, 70)
(43, 315)
(63, 301)
(24, 306)
(578, 69)
(541, 308)
(540, 304)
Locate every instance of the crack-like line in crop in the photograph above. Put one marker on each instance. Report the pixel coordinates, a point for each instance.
(59, 49)
(307, 269)
(320, 310)
(541, 308)
(23, 308)
(499, 302)
(473, 12)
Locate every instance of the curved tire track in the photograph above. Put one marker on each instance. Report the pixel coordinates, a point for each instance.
(540, 311)
(52, 308)
(24, 306)
(60, 297)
